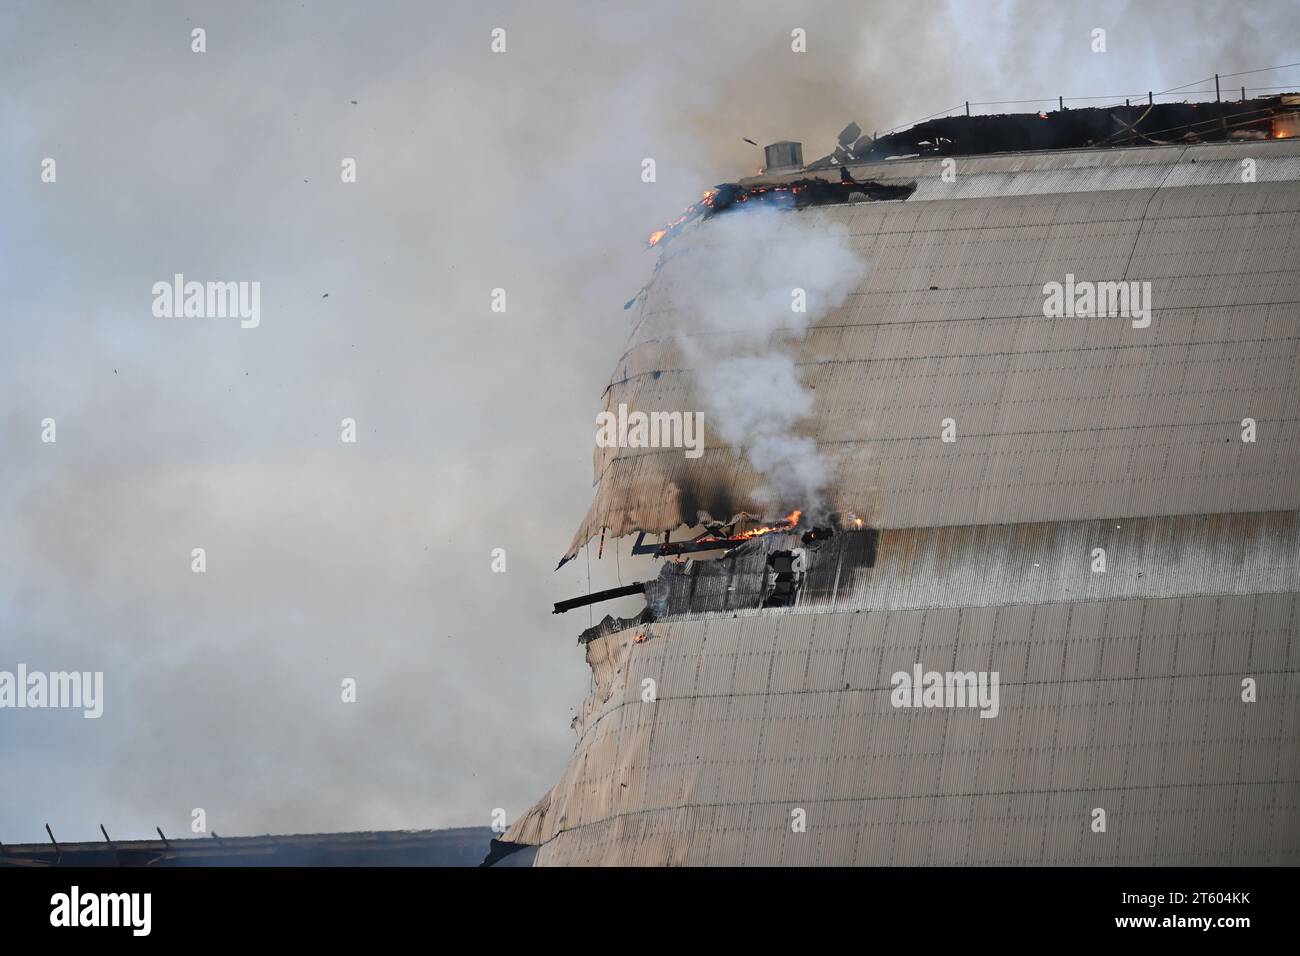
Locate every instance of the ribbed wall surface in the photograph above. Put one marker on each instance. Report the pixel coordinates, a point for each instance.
(1057, 419)
(1119, 690)
(1130, 706)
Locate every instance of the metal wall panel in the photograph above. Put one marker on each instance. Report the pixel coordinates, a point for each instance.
(1131, 706)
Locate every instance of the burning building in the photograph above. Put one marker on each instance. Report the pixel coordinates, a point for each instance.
(1097, 513)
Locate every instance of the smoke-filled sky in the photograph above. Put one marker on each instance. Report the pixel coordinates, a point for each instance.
(373, 560)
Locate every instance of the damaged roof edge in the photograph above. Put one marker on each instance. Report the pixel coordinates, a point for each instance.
(1130, 124)
(797, 191)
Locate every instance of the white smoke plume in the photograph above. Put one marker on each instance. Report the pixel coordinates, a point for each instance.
(755, 282)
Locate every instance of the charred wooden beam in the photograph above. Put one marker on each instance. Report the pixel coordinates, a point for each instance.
(597, 596)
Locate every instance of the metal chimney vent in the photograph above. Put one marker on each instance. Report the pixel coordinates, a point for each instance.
(784, 155)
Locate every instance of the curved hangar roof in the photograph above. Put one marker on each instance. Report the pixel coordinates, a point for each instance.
(1058, 419)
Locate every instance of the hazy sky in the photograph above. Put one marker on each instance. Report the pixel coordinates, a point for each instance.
(519, 170)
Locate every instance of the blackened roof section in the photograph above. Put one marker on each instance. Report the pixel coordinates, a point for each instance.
(1137, 124)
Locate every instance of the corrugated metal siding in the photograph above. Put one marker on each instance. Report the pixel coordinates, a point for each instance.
(1133, 706)
(1057, 419)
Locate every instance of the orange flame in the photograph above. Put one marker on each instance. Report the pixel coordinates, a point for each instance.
(788, 523)
(694, 209)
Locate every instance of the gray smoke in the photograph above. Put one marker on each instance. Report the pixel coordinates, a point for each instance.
(757, 280)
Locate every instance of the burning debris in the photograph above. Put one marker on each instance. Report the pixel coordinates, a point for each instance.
(727, 536)
(1286, 125)
(724, 536)
(793, 195)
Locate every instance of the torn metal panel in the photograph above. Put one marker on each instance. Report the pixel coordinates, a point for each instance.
(611, 625)
(980, 566)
